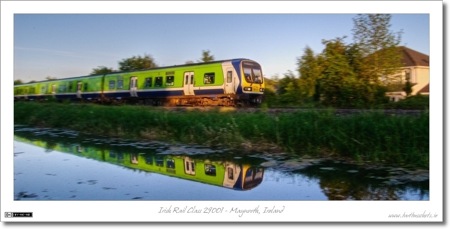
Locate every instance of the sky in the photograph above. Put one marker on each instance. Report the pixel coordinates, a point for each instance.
(67, 45)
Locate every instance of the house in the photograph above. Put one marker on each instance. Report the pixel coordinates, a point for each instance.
(416, 69)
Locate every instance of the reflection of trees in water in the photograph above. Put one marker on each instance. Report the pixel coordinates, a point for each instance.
(50, 146)
(350, 182)
(339, 189)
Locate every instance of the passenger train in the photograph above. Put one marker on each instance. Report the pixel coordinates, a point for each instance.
(234, 82)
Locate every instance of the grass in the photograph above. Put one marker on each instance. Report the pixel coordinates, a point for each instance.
(366, 137)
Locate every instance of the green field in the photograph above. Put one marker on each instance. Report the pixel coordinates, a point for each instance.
(369, 137)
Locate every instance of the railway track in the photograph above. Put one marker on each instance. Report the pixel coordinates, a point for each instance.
(339, 112)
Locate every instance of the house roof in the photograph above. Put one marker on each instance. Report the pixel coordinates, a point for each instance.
(414, 58)
(425, 89)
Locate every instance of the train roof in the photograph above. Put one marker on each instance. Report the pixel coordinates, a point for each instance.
(119, 72)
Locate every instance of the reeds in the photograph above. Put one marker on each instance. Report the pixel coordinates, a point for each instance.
(366, 137)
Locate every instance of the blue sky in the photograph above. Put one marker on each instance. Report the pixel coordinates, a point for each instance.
(65, 45)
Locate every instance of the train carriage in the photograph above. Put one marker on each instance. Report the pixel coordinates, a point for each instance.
(224, 83)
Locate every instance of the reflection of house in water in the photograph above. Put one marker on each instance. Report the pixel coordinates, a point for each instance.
(217, 172)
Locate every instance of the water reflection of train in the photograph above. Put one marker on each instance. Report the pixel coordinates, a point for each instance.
(219, 172)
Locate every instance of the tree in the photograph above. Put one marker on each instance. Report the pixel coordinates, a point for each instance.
(378, 47)
(288, 90)
(408, 87)
(17, 82)
(338, 85)
(310, 70)
(206, 56)
(137, 63)
(101, 70)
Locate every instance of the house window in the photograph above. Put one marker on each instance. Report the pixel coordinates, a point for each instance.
(209, 78)
(158, 81)
(169, 80)
(148, 82)
(112, 84)
(408, 76)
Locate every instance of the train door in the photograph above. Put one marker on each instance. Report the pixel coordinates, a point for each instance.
(79, 86)
(133, 86)
(189, 166)
(229, 81)
(232, 173)
(188, 87)
(53, 89)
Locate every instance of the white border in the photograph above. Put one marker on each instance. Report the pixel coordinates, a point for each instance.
(295, 211)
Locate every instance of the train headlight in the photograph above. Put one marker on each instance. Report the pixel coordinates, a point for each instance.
(261, 90)
(247, 89)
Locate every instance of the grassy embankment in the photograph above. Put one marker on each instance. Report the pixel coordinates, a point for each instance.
(367, 137)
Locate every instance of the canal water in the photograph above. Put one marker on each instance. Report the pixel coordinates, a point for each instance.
(57, 164)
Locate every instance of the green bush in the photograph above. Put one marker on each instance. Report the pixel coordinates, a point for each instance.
(417, 102)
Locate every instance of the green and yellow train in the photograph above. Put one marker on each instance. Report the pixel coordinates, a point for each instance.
(231, 82)
(217, 172)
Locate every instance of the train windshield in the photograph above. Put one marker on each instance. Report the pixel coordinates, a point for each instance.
(252, 72)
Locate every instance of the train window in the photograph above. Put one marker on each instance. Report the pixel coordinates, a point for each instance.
(253, 74)
(112, 84)
(249, 175)
(257, 75)
(148, 82)
(248, 75)
(149, 160)
(170, 163)
(229, 76)
(210, 170)
(119, 84)
(158, 81)
(70, 86)
(32, 90)
(209, 78)
(85, 86)
(159, 162)
(62, 88)
(112, 154)
(169, 80)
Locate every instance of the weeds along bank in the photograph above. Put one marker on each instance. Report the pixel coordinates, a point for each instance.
(374, 137)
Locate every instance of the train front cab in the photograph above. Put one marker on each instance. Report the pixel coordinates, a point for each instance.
(251, 78)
